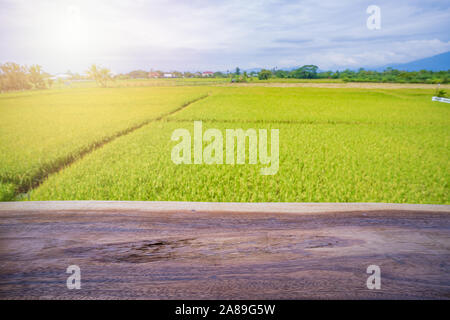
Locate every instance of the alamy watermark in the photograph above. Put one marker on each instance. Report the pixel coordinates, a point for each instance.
(374, 280)
(74, 280)
(374, 20)
(235, 140)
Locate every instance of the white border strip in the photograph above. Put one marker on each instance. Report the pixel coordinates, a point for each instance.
(235, 207)
(440, 99)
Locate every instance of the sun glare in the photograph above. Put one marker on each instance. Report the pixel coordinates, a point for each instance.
(73, 32)
(72, 29)
(64, 35)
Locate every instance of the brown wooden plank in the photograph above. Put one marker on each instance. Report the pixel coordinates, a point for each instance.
(224, 255)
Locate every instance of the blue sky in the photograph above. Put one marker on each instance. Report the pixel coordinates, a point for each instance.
(218, 35)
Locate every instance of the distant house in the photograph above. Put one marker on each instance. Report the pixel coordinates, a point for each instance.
(168, 75)
(153, 75)
(207, 74)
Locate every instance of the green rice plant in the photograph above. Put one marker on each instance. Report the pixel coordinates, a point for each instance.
(336, 145)
(44, 130)
(318, 163)
(319, 105)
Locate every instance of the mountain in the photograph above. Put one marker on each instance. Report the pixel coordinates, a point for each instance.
(440, 62)
(251, 70)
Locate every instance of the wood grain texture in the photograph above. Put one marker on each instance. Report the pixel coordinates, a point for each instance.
(130, 254)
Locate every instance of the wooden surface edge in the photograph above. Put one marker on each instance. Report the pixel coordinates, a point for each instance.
(235, 207)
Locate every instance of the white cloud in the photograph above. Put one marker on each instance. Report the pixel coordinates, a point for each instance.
(219, 35)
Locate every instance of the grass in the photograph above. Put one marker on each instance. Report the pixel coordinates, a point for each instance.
(132, 83)
(336, 145)
(319, 105)
(164, 82)
(44, 130)
(318, 163)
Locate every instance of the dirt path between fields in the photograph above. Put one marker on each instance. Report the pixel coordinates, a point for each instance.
(359, 85)
(191, 251)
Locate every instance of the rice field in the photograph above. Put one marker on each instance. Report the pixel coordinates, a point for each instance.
(336, 145)
(44, 130)
(319, 105)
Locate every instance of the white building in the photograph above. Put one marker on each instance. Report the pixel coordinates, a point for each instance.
(61, 76)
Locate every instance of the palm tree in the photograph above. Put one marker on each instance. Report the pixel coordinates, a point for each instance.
(100, 75)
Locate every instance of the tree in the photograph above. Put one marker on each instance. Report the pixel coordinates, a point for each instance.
(264, 74)
(100, 75)
(14, 77)
(36, 76)
(219, 74)
(281, 74)
(243, 78)
(137, 74)
(177, 74)
(306, 72)
(238, 71)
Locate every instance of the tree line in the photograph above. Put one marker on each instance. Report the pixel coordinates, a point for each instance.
(362, 75)
(17, 77)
